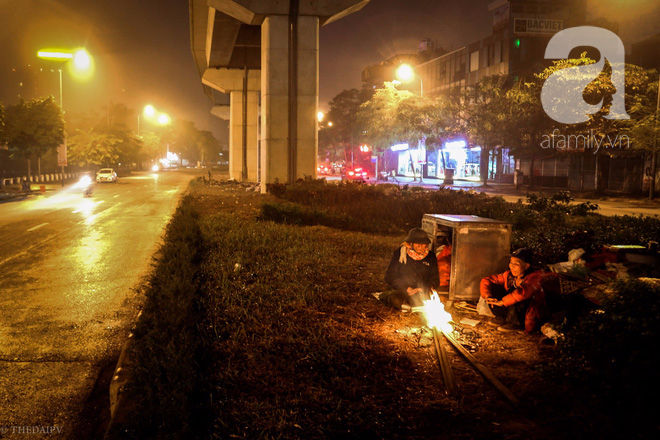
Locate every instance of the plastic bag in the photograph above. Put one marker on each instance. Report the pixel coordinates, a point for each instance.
(484, 309)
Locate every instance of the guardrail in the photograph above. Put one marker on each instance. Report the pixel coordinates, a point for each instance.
(40, 178)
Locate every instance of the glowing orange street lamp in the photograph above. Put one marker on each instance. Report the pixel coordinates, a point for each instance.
(405, 73)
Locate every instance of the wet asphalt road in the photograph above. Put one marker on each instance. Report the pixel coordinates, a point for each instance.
(67, 268)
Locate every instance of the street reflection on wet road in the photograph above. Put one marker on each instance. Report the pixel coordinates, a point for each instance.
(68, 264)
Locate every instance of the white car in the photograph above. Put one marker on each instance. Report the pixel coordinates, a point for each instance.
(106, 175)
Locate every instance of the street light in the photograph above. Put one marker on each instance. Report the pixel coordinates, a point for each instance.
(81, 68)
(149, 112)
(405, 73)
(164, 119)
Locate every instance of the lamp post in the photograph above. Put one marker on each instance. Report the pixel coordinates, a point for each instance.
(405, 73)
(654, 153)
(149, 113)
(82, 66)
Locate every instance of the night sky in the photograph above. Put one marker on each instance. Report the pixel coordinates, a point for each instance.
(142, 47)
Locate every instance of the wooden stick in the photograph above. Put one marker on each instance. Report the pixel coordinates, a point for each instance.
(485, 372)
(445, 366)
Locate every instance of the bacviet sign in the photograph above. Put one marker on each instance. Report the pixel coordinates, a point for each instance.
(561, 95)
(537, 26)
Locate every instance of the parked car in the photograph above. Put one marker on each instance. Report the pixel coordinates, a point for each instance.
(106, 175)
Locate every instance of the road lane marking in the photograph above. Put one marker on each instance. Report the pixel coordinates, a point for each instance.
(34, 228)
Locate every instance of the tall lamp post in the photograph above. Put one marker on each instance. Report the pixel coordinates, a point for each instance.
(149, 113)
(654, 153)
(81, 66)
(405, 73)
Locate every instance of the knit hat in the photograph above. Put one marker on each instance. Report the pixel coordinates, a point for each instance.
(524, 254)
(417, 235)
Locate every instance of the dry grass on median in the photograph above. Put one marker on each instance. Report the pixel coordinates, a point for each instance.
(279, 337)
(301, 349)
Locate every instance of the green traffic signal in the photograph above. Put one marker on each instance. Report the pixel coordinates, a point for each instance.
(516, 43)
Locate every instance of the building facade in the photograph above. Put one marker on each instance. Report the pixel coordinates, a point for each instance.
(521, 30)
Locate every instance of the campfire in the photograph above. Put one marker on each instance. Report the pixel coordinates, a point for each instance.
(440, 321)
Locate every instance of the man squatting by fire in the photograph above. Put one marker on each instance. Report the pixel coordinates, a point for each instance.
(518, 293)
(412, 272)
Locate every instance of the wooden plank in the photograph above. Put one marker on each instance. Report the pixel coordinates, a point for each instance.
(485, 372)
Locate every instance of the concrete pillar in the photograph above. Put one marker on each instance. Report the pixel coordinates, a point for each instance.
(232, 81)
(279, 150)
(236, 132)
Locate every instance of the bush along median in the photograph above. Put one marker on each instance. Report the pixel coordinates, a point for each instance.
(544, 223)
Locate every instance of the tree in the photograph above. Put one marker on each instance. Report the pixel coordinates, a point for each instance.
(91, 147)
(104, 139)
(378, 117)
(209, 147)
(637, 132)
(488, 117)
(33, 128)
(346, 129)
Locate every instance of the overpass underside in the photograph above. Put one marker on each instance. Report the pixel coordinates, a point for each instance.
(264, 54)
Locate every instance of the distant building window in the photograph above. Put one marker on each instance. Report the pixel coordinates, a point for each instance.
(474, 61)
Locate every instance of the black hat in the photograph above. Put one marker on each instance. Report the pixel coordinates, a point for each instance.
(524, 254)
(417, 235)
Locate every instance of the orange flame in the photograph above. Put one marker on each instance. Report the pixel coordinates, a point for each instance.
(436, 315)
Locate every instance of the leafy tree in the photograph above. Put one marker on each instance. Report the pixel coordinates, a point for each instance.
(640, 97)
(346, 129)
(105, 139)
(209, 146)
(488, 117)
(33, 128)
(379, 119)
(91, 147)
(2, 124)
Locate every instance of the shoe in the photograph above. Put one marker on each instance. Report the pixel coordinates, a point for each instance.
(405, 308)
(377, 295)
(506, 328)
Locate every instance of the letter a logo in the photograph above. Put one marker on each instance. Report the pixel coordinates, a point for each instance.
(561, 95)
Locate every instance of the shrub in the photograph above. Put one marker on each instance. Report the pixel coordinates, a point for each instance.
(612, 353)
(544, 224)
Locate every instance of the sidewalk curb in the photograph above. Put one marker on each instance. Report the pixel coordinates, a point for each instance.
(119, 392)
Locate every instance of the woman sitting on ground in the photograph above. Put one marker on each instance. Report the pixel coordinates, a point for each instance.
(412, 273)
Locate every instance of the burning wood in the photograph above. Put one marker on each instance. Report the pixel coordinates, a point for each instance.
(440, 321)
(438, 318)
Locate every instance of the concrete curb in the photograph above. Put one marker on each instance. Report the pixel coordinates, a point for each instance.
(119, 392)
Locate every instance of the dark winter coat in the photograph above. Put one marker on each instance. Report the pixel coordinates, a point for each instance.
(413, 273)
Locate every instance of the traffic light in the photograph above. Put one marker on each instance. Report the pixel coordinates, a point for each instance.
(516, 43)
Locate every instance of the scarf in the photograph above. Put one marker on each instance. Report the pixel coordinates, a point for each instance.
(408, 251)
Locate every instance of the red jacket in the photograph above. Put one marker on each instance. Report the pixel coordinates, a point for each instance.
(531, 287)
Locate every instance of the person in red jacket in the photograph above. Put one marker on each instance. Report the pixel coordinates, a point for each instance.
(519, 290)
(443, 255)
